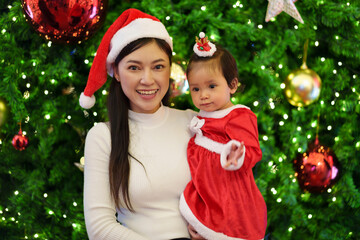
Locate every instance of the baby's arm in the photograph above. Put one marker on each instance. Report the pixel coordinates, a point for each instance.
(242, 130)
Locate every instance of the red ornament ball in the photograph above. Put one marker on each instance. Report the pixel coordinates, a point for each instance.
(317, 169)
(20, 141)
(65, 21)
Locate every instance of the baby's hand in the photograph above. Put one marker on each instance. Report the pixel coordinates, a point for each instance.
(235, 154)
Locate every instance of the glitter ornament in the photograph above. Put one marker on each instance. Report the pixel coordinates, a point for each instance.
(20, 141)
(178, 78)
(302, 86)
(65, 21)
(317, 169)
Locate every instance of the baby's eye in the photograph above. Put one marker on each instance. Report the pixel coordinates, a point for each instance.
(212, 86)
(195, 89)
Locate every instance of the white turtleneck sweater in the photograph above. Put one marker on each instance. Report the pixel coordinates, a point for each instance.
(159, 142)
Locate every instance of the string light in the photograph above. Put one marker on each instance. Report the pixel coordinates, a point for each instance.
(203, 8)
(310, 216)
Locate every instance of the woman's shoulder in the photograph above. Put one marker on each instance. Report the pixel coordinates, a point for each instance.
(100, 130)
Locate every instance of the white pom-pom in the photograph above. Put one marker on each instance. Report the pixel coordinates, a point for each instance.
(87, 102)
(202, 35)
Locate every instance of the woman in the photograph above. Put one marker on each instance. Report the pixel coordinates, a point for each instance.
(136, 164)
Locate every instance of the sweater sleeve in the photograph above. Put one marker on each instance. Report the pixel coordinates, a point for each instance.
(99, 208)
(243, 128)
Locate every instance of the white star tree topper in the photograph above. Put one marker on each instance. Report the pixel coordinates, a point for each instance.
(275, 7)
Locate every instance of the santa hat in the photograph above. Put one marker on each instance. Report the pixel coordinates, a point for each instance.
(203, 47)
(131, 25)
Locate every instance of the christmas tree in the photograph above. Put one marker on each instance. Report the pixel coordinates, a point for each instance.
(41, 79)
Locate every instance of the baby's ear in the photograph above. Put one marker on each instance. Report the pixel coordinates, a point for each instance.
(234, 85)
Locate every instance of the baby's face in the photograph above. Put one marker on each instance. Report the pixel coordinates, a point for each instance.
(208, 87)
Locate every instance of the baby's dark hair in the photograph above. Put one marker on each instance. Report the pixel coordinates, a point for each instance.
(222, 58)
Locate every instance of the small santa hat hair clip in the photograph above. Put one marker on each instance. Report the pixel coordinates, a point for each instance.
(203, 47)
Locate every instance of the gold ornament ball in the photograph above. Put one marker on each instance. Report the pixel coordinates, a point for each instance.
(302, 87)
(3, 111)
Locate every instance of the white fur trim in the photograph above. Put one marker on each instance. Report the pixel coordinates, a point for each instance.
(205, 53)
(225, 153)
(138, 28)
(87, 102)
(199, 227)
(209, 144)
(220, 113)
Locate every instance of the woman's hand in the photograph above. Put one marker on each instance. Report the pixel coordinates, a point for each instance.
(194, 235)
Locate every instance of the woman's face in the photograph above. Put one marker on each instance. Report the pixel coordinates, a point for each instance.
(144, 77)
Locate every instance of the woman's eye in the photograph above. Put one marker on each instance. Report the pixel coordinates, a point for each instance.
(133, 68)
(159, 66)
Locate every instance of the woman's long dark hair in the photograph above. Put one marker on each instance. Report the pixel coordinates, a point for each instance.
(118, 105)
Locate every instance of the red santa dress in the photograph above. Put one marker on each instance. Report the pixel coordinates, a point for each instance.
(224, 202)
